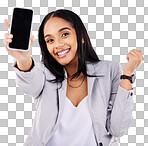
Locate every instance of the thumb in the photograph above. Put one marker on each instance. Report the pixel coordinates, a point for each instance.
(7, 23)
(141, 55)
(32, 40)
(127, 57)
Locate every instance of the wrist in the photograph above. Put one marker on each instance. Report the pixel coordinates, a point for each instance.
(127, 73)
(24, 64)
(23, 59)
(126, 84)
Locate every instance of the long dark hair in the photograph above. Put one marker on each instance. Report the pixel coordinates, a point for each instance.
(85, 50)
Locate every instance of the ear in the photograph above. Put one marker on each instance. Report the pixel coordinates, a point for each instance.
(83, 40)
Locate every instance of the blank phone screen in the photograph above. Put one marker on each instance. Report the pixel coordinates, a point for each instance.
(20, 28)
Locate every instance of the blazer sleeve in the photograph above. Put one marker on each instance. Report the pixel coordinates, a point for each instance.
(120, 106)
(31, 82)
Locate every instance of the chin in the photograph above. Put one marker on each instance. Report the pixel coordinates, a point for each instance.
(64, 63)
(67, 61)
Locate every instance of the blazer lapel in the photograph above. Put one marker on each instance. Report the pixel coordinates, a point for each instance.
(61, 96)
(90, 80)
(91, 83)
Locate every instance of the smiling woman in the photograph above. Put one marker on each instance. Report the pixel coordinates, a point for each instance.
(80, 99)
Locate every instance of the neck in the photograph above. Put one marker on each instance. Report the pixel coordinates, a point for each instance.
(71, 68)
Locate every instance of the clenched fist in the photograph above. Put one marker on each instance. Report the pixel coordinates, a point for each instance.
(134, 58)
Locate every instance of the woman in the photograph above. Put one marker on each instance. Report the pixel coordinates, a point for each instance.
(80, 100)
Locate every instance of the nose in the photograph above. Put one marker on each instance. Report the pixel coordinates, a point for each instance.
(59, 43)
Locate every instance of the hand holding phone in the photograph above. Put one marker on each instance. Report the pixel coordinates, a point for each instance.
(8, 38)
(23, 58)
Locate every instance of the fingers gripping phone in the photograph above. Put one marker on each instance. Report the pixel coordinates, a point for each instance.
(21, 28)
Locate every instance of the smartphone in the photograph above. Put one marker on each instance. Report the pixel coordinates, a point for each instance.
(21, 26)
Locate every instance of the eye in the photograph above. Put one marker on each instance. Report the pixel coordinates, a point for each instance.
(65, 34)
(50, 41)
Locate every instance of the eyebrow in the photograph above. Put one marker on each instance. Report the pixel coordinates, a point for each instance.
(58, 31)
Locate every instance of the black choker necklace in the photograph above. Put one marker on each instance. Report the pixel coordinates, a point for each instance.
(76, 80)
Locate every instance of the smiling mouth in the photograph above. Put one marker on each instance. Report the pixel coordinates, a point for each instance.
(63, 53)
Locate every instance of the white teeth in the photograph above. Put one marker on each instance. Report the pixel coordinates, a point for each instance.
(63, 52)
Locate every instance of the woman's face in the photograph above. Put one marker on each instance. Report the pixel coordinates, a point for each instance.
(61, 40)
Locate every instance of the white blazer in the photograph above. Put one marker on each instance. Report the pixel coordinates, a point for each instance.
(110, 105)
